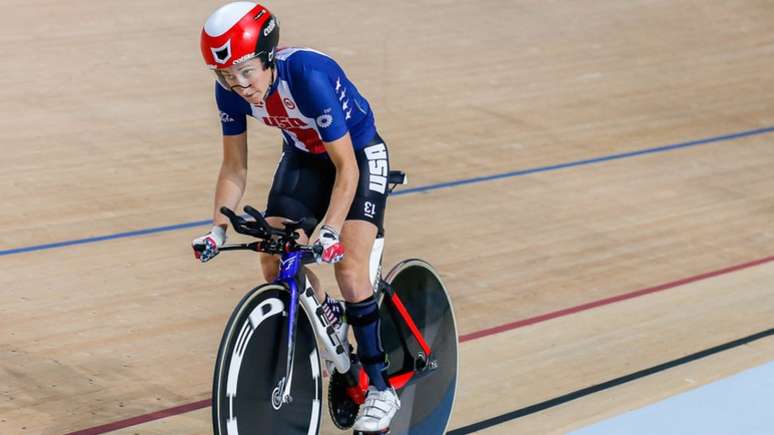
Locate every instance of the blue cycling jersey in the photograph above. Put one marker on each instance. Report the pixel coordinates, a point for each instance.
(311, 101)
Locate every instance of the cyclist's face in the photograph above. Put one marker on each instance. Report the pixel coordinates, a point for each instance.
(248, 79)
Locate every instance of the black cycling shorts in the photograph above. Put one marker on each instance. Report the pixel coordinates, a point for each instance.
(303, 184)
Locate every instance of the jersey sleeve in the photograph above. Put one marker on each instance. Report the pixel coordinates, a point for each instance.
(233, 111)
(317, 99)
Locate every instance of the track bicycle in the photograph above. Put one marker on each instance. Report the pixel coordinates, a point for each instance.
(267, 377)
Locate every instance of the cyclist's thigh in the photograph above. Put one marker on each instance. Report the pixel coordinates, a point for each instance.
(302, 187)
(371, 195)
(352, 272)
(364, 220)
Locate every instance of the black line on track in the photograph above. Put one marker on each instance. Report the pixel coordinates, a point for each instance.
(481, 425)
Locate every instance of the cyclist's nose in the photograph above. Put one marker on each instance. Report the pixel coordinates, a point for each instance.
(239, 81)
(249, 90)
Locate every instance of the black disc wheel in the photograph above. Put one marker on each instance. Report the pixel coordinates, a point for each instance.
(426, 404)
(251, 362)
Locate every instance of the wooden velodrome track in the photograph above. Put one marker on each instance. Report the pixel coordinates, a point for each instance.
(108, 126)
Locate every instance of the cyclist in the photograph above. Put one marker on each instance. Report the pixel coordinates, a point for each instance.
(333, 167)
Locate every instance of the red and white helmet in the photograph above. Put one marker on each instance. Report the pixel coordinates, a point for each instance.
(238, 32)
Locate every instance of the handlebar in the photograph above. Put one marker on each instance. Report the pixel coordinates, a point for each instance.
(282, 240)
(273, 240)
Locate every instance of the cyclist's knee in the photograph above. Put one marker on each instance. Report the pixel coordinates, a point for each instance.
(353, 283)
(269, 267)
(345, 277)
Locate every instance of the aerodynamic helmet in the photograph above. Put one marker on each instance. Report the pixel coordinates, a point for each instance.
(238, 32)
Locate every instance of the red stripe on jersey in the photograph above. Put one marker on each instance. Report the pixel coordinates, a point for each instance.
(274, 105)
(307, 136)
(310, 138)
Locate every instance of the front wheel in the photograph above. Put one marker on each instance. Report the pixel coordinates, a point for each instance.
(426, 405)
(251, 366)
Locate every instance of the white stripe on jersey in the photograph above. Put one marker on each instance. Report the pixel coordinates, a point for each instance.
(285, 96)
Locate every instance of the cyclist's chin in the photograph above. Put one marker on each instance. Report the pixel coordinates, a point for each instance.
(254, 98)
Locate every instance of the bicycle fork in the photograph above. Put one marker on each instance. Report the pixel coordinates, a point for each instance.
(337, 350)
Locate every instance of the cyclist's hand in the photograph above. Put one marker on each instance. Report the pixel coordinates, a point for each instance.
(332, 249)
(206, 246)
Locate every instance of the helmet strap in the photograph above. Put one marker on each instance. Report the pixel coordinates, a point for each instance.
(271, 84)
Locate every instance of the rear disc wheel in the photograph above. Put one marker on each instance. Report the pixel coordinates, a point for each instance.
(427, 403)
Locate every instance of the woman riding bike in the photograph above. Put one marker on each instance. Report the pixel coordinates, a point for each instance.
(333, 167)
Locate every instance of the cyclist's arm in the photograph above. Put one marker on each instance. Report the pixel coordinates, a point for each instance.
(342, 154)
(232, 178)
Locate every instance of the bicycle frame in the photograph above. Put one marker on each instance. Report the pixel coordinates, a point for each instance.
(302, 294)
(291, 275)
(423, 362)
(290, 265)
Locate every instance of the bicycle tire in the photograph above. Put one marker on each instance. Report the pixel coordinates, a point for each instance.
(242, 397)
(427, 404)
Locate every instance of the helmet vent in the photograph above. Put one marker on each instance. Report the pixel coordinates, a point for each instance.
(223, 53)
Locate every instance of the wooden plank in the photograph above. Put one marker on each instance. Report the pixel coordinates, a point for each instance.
(108, 125)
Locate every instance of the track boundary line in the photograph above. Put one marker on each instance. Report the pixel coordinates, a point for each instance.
(577, 394)
(145, 418)
(418, 189)
(182, 409)
(612, 299)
